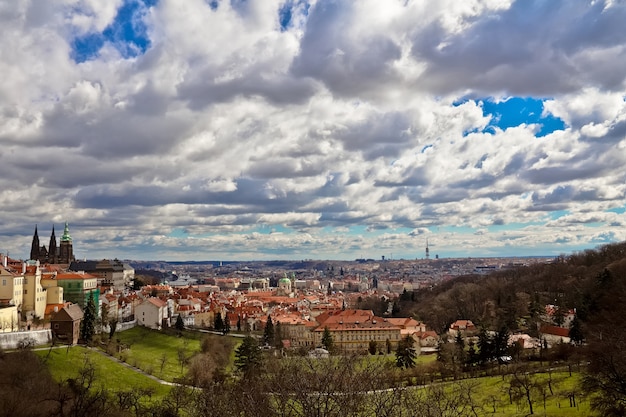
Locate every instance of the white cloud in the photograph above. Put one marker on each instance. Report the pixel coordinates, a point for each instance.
(349, 130)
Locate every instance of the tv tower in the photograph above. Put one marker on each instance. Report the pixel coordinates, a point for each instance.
(427, 251)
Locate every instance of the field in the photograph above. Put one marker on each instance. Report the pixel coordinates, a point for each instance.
(65, 363)
(156, 353)
(167, 356)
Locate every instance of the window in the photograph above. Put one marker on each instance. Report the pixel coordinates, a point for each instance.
(56, 325)
(4, 282)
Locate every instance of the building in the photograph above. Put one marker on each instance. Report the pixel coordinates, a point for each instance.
(152, 313)
(65, 324)
(110, 273)
(79, 287)
(11, 293)
(353, 330)
(61, 254)
(35, 296)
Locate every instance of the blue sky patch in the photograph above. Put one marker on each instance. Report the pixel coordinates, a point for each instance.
(285, 13)
(516, 111)
(128, 34)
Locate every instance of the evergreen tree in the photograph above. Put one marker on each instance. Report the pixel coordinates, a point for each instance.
(88, 325)
(248, 356)
(500, 342)
(239, 323)
(405, 353)
(226, 326)
(218, 323)
(268, 333)
(485, 346)
(180, 325)
(459, 342)
(576, 331)
(372, 347)
(278, 336)
(327, 340)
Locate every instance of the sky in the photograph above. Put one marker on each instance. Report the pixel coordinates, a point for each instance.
(313, 129)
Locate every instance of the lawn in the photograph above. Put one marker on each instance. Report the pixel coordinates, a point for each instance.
(493, 393)
(65, 363)
(162, 355)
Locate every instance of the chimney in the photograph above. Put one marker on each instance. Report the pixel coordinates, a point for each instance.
(23, 267)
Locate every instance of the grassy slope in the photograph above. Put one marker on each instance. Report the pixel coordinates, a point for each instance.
(65, 363)
(148, 347)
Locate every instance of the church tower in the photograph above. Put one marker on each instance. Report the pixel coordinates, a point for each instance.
(52, 248)
(34, 246)
(66, 251)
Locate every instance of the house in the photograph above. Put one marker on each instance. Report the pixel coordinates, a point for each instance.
(65, 324)
(465, 327)
(152, 313)
(524, 341)
(428, 338)
(554, 334)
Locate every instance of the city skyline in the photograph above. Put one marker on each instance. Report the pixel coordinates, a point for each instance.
(293, 129)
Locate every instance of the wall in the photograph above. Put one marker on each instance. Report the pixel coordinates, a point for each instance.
(11, 340)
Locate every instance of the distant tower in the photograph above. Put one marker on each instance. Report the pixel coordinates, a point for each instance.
(34, 246)
(66, 251)
(52, 248)
(427, 250)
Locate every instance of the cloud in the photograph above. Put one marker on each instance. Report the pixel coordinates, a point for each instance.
(313, 129)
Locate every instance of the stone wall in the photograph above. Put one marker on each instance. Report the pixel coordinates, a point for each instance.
(36, 337)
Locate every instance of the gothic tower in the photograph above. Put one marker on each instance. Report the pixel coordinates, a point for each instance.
(52, 248)
(66, 252)
(34, 246)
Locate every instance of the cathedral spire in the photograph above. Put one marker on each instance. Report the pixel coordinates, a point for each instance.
(34, 247)
(52, 248)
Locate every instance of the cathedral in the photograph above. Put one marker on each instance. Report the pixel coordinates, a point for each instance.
(62, 254)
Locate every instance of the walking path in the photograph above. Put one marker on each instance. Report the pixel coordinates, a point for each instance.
(113, 358)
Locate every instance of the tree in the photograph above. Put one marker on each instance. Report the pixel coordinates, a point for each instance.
(218, 323)
(485, 347)
(268, 332)
(239, 323)
(248, 356)
(180, 325)
(278, 335)
(576, 331)
(88, 325)
(405, 353)
(112, 328)
(327, 339)
(372, 347)
(226, 327)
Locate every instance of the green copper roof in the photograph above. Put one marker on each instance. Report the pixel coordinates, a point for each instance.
(66, 234)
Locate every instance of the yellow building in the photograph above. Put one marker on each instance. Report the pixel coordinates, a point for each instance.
(10, 299)
(353, 330)
(35, 295)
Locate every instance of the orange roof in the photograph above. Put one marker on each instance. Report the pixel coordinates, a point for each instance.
(555, 330)
(156, 301)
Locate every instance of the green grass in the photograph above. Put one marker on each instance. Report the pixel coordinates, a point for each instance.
(490, 391)
(149, 347)
(65, 363)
